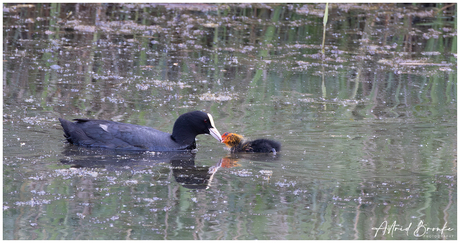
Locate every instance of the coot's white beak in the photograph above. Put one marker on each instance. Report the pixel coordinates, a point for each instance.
(215, 134)
(213, 130)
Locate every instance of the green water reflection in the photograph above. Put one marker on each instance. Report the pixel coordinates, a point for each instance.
(368, 131)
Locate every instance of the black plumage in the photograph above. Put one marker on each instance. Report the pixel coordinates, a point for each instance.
(117, 135)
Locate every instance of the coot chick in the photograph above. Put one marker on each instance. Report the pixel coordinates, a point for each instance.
(117, 135)
(237, 144)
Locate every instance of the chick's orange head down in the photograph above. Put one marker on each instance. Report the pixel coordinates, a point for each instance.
(231, 139)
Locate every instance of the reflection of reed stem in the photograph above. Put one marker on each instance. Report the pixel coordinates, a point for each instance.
(324, 27)
(397, 102)
(323, 86)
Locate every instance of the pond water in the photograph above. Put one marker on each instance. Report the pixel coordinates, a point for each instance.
(368, 131)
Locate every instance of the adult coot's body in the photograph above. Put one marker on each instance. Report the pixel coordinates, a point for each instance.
(237, 144)
(117, 135)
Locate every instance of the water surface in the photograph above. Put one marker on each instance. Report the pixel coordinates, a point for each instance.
(368, 130)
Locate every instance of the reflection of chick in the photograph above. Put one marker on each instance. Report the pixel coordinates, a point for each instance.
(229, 162)
(237, 144)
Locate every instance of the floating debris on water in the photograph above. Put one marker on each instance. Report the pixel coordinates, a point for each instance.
(266, 174)
(242, 173)
(219, 96)
(285, 183)
(67, 173)
(131, 182)
(55, 67)
(33, 202)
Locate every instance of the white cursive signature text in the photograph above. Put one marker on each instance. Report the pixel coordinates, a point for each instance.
(421, 229)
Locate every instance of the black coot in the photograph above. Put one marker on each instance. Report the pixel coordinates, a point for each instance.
(237, 144)
(117, 135)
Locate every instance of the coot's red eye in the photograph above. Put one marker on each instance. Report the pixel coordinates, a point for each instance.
(205, 120)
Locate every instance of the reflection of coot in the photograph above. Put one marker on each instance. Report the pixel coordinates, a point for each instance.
(123, 136)
(183, 163)
(103, 158)
(192, 177)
